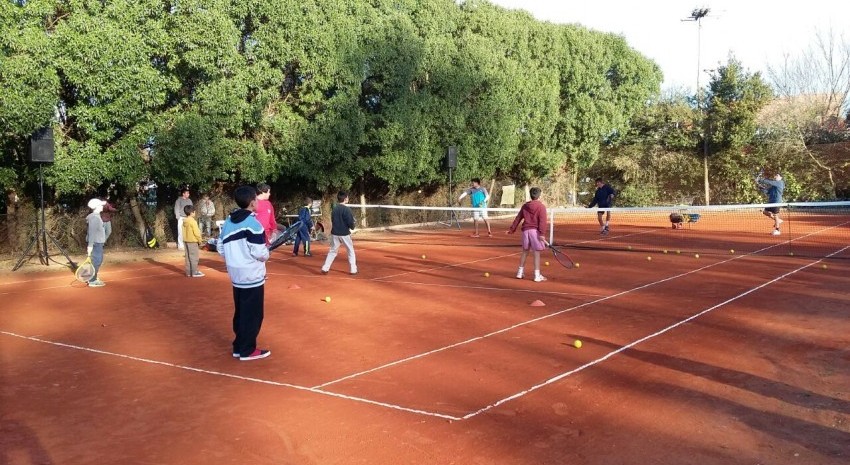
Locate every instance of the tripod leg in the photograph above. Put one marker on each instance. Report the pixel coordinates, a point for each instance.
(43, 254)
(71, 263)
(455, 219)
(26, 254)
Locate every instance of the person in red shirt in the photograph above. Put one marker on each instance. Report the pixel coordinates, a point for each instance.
(106, 216)
(265, 212)
(532, 215)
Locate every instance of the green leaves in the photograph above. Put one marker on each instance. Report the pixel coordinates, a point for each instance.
(322, 93)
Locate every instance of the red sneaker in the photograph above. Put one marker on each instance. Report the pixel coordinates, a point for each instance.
(256, 355)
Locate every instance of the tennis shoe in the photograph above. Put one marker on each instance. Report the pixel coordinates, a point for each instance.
(776, 232)
(324, 271)
(256, 355)
(198, 274)
(519, 275)
(96, 283)
(308, 254)
(539, 278)
(474, 235)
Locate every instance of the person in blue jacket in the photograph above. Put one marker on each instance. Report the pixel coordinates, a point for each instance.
(303, 235)
(242, 243)
(604, 198)
(774, 189)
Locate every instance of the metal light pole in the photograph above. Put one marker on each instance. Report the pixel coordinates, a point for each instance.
(697, 15)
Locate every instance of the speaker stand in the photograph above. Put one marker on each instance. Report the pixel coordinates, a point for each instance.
(450, 219)
(40, 236)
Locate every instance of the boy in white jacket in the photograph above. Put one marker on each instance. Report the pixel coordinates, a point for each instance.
(243, 245)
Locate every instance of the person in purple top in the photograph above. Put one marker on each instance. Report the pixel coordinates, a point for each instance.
(532, 215)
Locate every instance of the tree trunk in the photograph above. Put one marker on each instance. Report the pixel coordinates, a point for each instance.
(139, 219)
(363, 222)
(12, 219)
(574, 190)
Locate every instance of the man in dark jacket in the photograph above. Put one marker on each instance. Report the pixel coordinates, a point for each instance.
(342, 222)
(774, 189)
(604, 198)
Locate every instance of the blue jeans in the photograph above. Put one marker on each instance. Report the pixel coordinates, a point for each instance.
(96, 259)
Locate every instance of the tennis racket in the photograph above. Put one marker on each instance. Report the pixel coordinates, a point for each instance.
(85, 271)
(560, 256)
(758, 178)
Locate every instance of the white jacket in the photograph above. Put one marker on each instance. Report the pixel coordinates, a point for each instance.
(242, 243)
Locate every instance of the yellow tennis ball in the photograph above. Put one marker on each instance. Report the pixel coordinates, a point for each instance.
(678, 251)
(328, 299)
(731, 250)
(486, 275)
(665, 250)
(649, 259)
(823, 266)
(696, 255)
(547, 263)
(791, 254)
(577, 344)
(579, 264)
(423, 256)
(629, 247)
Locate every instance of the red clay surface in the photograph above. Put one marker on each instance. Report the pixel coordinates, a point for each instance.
(730, 358)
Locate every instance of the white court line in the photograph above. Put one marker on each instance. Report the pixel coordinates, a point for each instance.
(645, 338)
(316, 389)
(454, 265)
(504, 289)
(233, 376)
(550, 315)
(74, 284)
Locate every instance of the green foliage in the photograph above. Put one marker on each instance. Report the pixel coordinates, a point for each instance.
(190, 150)
(321, 93)
(735, 98)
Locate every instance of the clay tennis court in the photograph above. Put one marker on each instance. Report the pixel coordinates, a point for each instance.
(739, 356)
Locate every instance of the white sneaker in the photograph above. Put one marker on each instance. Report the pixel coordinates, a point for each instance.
(775, 232)
(539, 278)
(519, 274)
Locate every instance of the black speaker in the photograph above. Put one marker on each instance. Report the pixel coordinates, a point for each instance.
(451, 157)
(41, 146)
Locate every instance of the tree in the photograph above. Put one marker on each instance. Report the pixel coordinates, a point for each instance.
(603, 82)
(814, 92)
(735, 98)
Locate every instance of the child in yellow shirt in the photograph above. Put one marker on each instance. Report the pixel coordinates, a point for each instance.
(191, 240)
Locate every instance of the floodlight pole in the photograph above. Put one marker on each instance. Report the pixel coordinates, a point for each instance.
(697, 15)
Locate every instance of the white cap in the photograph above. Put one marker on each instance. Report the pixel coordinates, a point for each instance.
(96, 203)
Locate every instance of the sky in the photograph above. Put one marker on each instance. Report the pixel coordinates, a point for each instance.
(758, 33)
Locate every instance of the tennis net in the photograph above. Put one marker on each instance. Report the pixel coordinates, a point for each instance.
(812, 229)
